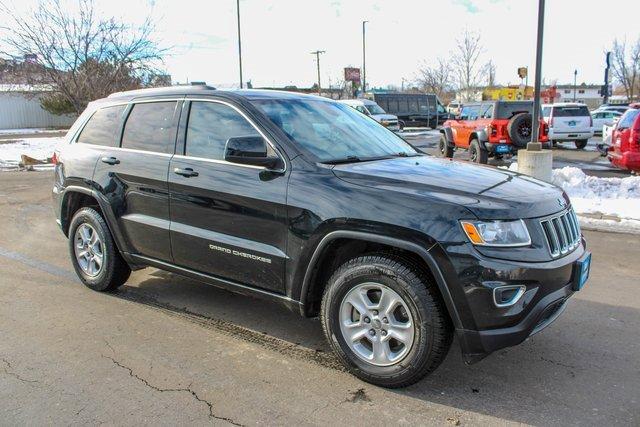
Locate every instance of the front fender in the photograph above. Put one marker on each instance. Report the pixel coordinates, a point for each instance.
(423, 252)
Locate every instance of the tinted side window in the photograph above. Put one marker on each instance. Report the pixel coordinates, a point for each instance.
(103, 127)
(487, 111)
(627, 120)
(210, 126)
(151, 126)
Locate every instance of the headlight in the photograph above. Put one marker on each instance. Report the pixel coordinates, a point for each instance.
(497, 233)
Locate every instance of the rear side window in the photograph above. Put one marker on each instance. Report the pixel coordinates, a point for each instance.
(627, 119)
(103, 127)
(210, 126)
(579, 111)
(151, 126)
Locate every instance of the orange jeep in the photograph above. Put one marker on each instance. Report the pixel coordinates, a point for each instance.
(491, 129)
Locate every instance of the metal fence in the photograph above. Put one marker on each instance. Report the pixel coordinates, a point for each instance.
(19, 110)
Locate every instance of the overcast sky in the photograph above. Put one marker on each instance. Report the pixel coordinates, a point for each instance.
(278, 36)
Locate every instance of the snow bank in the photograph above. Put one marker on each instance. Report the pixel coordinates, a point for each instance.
(612, 203)
(38, 148)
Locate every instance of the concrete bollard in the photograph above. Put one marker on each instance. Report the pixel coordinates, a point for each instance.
(535, 162)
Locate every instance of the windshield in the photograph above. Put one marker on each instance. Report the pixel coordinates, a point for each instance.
(331, 131)
(375, 109)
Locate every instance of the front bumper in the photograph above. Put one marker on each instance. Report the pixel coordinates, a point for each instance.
(479, 344)
(473, 275)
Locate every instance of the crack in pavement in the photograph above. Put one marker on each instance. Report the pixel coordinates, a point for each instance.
(178, 390)
(9, 371)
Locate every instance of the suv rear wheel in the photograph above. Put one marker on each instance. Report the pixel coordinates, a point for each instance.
(94, 254)
(477, 154)
(445, 149)
(580, 144)
(385, 320)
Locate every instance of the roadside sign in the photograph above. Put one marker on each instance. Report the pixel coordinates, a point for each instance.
(352, 74)
(522, 72)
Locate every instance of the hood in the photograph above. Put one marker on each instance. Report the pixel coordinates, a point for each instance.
(379, 117)
(489, 193)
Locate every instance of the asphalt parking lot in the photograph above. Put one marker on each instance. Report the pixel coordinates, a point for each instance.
(168, 350)
(564, 154)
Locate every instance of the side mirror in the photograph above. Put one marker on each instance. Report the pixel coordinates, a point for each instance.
(250, 150)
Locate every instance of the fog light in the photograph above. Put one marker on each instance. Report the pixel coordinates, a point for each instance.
(506, 296)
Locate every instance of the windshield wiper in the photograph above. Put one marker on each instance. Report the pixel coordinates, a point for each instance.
(348, 159)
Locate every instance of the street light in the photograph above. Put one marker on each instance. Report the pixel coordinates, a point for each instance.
(575, 84)
(535, 125)
(239, 42)
(317, 54)
(364, 58)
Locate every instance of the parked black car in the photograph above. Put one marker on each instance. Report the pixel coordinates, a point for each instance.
(414, 110)
(305, 201)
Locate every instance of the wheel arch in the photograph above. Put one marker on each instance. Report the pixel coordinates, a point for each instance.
(448, 134)
(311, 285)
(76, 198)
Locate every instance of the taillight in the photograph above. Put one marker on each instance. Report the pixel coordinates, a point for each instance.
(54, 158)
(492, 130)
(545, 129)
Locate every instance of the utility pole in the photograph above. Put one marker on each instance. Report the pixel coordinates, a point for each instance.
(605, 87)
(364, 58)
(535, 125)
(239, 42)
(317, 54)
(575, 84)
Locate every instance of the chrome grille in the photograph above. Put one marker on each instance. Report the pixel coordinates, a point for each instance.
(562, 232)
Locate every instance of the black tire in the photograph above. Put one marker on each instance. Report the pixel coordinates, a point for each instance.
(446, 150)
(520, 129)
(581, 143)
(433, 332)
(114, 270)
(477, 154)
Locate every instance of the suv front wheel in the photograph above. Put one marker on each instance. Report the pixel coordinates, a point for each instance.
(385, 320)
(95, 257)
(445, 149)
(477, 153)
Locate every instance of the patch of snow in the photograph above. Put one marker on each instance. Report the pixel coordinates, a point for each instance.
(38, 148)
(615, 200)
(610, 204)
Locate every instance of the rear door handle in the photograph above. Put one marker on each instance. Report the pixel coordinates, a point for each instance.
(186, 172)
(110, 160)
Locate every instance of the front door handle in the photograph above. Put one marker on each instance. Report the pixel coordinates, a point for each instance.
(110, 160)
(187, 172)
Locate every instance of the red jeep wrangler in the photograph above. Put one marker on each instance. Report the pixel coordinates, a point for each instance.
(625, 141)
(491, 129)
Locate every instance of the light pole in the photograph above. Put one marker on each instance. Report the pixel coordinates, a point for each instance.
(535, 125)
(239, 42)
(364, 58)
(575, 84)
(317, 54)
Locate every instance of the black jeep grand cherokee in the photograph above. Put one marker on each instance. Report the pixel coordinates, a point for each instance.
(305, 201)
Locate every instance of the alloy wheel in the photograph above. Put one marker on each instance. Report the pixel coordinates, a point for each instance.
(376, 324)
(89, 250)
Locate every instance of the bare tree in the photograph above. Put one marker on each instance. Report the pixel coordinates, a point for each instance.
(468, 70)
(437, 79)
(626, 66)
(81, 56)
(490, 68)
